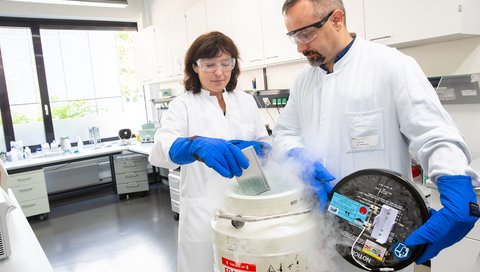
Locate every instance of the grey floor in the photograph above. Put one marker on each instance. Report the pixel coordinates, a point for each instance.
(99, 232)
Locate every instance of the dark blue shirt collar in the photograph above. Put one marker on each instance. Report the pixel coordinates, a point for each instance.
(341, 53)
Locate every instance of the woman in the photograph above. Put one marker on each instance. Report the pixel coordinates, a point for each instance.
(204, 130)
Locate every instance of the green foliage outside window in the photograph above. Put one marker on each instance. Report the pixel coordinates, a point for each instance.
(126, 62)
(74, 109)
(20, 118)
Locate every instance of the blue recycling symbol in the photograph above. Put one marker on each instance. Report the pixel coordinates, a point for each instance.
(401, 251)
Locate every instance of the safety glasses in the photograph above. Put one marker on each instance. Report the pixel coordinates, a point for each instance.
(211, 65)
(307, 34)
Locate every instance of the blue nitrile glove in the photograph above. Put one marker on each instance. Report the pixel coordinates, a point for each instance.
(315, 175)
(218, 154)
(452, 222)
(261, 148)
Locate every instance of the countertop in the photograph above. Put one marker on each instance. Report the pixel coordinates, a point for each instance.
(86, 152)
(27, 254)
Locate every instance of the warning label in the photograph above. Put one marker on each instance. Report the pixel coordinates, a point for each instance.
(237, 266)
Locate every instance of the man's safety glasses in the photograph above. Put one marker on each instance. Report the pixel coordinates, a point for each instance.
(211, 65)
(306, 34)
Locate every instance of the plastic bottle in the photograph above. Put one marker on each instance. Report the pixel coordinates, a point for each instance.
(27, 153)
(79, 144)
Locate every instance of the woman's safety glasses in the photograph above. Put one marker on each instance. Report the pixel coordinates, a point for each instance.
(306, 34)
(211, 65)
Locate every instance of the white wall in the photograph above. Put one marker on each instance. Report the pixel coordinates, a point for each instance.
(454, 58)
(133, 13)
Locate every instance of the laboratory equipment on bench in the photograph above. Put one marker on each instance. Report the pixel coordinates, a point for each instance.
(147, 133)
(253, 180)
(94, 136)
(65, 144)
(264, 232)
(376, 211)
(271, 98)
(125, 135)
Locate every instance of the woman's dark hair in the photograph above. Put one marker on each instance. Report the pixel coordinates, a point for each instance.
(207, 46)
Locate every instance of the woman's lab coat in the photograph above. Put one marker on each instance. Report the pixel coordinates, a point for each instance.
(375, 110)
(201, 188)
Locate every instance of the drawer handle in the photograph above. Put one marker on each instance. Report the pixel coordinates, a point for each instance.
(28, 205)
(24, 179)
(380, 38)
(131, 185)
(131, 175)
(26, 189)
(130, 165)
(272, 57)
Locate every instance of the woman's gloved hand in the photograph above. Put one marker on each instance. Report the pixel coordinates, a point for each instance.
(218, 154)
(315, 175)
(261, 148)
(452, 222)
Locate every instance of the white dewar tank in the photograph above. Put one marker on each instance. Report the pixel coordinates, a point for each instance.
(268, 232)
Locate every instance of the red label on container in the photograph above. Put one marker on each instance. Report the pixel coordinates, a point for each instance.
(239, 266)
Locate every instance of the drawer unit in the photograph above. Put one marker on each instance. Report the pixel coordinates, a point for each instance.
(175, 207)
(134, 186)
(175, 194)
(39, 206)
(131, 174)
(174, 180)
(174, 183)
(26, 178)
(131, 177)
(30, 190)
(130, 163)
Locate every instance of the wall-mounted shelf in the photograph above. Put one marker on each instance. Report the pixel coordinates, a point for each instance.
(457, 89)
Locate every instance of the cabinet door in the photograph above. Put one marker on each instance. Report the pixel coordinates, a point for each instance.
(411, 22)
(277, 46)
(247, 32)
(196, 21)
(145, 55)
(218, 16)
(164, 55)
(178, 42)
(355, 16)
(380, 19)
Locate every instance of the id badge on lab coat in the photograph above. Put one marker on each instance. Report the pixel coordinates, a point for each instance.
(365, 131)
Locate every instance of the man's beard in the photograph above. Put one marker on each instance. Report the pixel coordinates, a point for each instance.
(314, 58)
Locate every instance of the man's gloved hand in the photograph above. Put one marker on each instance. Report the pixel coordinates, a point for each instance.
(315, 175)
(452, 222)
(218, 154)
(261, 148)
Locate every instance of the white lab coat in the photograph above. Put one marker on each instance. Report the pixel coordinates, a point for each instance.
(201, 188)
(375, 110)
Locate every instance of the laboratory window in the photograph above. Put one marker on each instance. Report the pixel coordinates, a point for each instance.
(63, 77)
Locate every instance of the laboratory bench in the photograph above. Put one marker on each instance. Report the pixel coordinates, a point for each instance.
(27, 177)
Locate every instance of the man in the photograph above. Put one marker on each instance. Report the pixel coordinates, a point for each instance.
(362, 105)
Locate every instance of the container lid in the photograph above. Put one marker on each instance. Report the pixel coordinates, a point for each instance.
(269, 203)
(376, 211)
